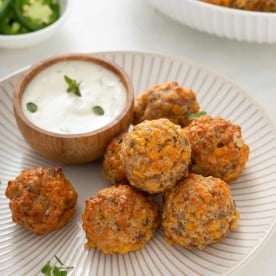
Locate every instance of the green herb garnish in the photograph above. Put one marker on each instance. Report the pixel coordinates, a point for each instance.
(73, 86)
(32, 107)
(98, 110)
(120, 140)
(196, 115)
(60, 270)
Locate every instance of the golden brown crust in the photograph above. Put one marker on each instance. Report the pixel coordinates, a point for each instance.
(120, 219)
(198, 211)
(166, 100)
(250, 5)
(113, 170)
(218, 148)
(155, 155)
(41, 199)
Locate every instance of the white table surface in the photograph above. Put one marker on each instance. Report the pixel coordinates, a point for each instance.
(135, 25)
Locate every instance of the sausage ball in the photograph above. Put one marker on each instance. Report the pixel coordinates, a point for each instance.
(41, 199)
(218, 148)
(113, 170)
(251, 5)
(167, 100)
(120, 219)
(198, 211)
(155, 155)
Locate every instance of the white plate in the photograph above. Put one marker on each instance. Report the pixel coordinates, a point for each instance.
(224, 22)
(23, 253)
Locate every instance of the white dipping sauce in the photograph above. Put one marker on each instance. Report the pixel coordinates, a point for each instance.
(66, 113)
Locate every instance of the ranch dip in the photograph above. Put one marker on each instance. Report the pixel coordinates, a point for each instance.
(47, 103)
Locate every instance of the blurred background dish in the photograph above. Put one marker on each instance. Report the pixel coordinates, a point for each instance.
(241, 25)
(21, 40)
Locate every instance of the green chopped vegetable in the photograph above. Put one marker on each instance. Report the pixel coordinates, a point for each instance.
(60, 270)
(73, 86)
(22, 16)
(98, 110)
(4, 7)
(32, 107)
(10, 25)
(196, 115)
(36, 14)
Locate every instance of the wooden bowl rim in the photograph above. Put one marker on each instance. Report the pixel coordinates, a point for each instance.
(35, 69)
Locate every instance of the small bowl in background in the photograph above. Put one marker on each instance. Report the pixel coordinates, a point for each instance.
(240, 25)
(76, 148)
(35, 37)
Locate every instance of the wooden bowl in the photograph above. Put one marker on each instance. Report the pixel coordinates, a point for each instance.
(74, 148)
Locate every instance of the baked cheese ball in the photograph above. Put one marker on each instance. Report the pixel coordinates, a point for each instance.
(120, 219)
(155, 155)
(198, 211)
(41, 199)
(250, 5)
(218, 148)
(113, 170)
(166, 100)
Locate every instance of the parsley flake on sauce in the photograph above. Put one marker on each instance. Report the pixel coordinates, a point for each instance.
(98, 110)
(73, 86)
(32, 107)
